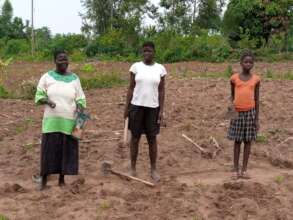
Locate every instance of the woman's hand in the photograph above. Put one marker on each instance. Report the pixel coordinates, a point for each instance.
(161, 119)
(51, 103)
(79, 108)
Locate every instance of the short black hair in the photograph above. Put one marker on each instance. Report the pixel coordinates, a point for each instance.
(57, 52)
(247, 53)
(149, 44)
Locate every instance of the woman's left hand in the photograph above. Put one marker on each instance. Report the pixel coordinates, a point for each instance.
(79, 108)
(161, 119)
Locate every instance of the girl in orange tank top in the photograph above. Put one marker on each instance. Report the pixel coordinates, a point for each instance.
(245, 104)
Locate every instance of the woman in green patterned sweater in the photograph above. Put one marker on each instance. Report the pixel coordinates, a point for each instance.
(61, 93)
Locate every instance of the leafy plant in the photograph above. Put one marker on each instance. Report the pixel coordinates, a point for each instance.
(88, 68)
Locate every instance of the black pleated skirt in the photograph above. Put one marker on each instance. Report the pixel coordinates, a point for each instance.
(59, 154)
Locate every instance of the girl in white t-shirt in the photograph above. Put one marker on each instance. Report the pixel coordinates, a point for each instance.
(145, 105)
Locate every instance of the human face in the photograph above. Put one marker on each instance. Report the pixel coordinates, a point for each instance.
(148, 54)
(62, 62)
(247, 63)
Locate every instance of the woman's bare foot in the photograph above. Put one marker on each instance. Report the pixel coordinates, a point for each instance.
(155, 176)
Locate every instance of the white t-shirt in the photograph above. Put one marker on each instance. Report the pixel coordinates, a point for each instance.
(147, 80)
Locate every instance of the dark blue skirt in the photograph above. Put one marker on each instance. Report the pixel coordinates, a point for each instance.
(59, 154)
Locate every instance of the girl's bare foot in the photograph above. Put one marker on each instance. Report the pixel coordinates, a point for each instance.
(244, 175)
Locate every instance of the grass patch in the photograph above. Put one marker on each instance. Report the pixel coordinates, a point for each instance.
(104, 205)
(228, 72)
(3, 93)
(269, 74)
(261, 138)
(279, 179)
(87, 68)
(28, 89)
(102, 81)
(24, 126)
(288, 75)
(2, 217)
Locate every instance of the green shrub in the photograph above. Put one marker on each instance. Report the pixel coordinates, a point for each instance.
(78, 56)
(102, 81)
(2, 217)
(3, 92)
(88, 68)
(16, 47)
(261, 138)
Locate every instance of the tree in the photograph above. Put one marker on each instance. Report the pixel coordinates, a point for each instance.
(97, 18)
(104, 15)
(6, 18)
(177, 15)
(258, 20)
(209, 15)
(10, 27)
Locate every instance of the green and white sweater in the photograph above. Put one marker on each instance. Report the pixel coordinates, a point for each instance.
(66, 92)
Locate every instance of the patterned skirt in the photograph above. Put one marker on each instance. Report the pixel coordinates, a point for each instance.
(243, 128)
(59, 154)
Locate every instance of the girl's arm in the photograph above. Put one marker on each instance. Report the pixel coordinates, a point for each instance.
(129, 94)
(161, 98)
(256, 97)
(232, 91)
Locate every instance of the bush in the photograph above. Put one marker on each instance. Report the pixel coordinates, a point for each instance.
(102, 81)
(16, 47)
(78, 56)
(88, 68)
(3, 92)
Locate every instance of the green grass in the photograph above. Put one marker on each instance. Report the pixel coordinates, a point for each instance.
(2, 217)
(269, 74)
(104, 205)
(87, 68)
(24, 125)
(227, 74)
(279, 179)
(102, 81)
(3, 93)
(261, 138)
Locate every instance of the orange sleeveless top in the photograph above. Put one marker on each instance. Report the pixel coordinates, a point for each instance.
(244, 94)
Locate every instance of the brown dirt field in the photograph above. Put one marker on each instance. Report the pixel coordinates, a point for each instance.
(192, 187)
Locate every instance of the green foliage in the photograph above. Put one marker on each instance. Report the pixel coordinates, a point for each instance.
(78, 56)
(2, 217)
(23, 126)
(185, 30)
(102, 81)
(16, 47)
(261, 138)
(279, 179)
(88, 68)
(209, 15)
(260, 20)
(69, 42)
(3, 92)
